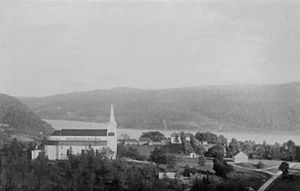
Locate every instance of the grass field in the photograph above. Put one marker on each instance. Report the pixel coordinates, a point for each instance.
(247, 177)
(267, 163)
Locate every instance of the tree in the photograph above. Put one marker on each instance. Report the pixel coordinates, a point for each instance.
(171, 161)
(247, 147)
(158, 156)
(129, 152)
(284, 167)
(292, 150)
(221, 167)
(234, 147)
(260, 165)
(209, 137)
(187, 171)
(187, 147)
(154, 136)
(222, 140)
(260, 151)
(201, 160)
(216, 151)
(288, 151)
(275, 151)
(297, 155)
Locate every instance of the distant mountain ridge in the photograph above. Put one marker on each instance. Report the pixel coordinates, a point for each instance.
(231, 107)
(17, 120)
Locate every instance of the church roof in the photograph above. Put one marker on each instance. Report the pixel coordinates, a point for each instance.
(80, 132)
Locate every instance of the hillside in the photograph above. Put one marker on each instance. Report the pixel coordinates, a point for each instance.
(17, 120)
(239, 107)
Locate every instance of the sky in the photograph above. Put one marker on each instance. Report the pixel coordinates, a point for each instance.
(59, 47)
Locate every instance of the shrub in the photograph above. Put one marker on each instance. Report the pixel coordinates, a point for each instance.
(260, 165)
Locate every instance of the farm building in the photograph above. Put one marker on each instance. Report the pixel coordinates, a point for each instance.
(175, 138)
(130, 142)
(241, 157)
(166, 175)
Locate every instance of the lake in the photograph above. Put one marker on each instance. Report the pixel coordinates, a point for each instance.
(258, 137)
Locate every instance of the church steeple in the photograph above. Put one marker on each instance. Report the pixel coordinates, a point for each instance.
(112, 115)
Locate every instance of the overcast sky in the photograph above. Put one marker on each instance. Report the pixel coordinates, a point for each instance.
(59, 47)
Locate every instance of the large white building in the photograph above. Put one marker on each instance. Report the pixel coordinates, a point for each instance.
(65, 142)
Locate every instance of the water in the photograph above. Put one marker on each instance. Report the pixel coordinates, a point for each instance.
(270, 138)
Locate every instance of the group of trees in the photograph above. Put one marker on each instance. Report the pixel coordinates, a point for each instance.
(287, 151)
(221, 148)
(154, 136)
(221, 167)
(160, 156)
(129, 152)
(89, 171)
(211, 138)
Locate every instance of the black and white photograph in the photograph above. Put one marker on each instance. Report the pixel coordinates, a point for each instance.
(149, 95)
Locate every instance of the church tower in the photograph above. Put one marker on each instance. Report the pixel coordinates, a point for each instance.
(112, 115)
(112, 122)
(112, 131)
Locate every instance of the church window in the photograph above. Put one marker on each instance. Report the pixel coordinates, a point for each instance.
(111, 134)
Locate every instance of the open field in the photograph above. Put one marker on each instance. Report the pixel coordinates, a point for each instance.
(267, 163)
(193, 162)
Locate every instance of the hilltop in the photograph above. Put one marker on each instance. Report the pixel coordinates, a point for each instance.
(235, 107)
(17, 120)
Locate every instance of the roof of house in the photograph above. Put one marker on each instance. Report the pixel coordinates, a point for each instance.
(241, 153)
(185, 134)
(80, 132)
(130, 140)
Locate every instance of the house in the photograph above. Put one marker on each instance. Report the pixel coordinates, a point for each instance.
(130, 142)
(204, 142)
(187, 136)
(164, 142)
(166, 175)
(120, 141)
(35, 153)
(193, 155)
(154, 143)
(144, 140)
(175, 138)
(65, 142)
(241, 157)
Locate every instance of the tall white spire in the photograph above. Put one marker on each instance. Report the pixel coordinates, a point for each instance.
(112, 115)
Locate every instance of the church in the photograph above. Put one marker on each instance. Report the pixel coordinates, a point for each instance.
(65, 142)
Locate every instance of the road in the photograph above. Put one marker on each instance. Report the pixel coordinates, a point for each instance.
(265, 170)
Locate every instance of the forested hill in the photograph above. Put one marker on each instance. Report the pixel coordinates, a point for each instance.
(245, 107)
(17, 120)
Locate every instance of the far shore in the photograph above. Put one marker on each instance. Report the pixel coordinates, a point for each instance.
(258, 136)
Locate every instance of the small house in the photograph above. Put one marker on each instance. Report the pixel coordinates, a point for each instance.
(187, 136)
(144, 140)
(166, 175)
(35, 153)
(193, 155)
(130, 142)
(153, 143)
(175, 138)
(241, 157)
